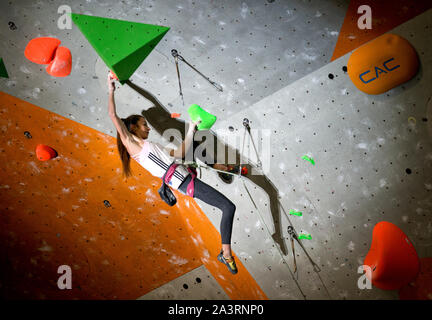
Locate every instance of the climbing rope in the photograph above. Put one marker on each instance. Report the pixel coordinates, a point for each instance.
(178, 57)
(291, 230)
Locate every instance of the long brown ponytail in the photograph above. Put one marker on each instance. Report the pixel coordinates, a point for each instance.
(124, 154)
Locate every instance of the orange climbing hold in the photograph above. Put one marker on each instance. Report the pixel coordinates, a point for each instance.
(44, 153)
(382, 64)
(41, 50)
(61, 66)
(392, 258)
(175, 115)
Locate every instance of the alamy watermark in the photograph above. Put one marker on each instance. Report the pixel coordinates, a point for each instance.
(65, 20)
(365, 20)
(65, 280)
(364, 282)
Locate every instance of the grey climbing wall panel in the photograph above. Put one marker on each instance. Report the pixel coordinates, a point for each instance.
(373, 163)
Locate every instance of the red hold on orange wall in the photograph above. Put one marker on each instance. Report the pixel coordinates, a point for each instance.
(41, 50)
(44, 153)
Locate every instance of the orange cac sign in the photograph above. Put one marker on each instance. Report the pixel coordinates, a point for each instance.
(382, 64)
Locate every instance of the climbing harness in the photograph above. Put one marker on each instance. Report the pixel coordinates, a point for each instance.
(178, 57)
(165, 192)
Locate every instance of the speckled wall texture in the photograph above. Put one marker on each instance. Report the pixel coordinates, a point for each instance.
(55, 213)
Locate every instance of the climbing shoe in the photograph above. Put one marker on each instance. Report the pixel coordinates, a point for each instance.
(229, 262)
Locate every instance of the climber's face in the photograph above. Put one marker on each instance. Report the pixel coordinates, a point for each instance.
(142, 129)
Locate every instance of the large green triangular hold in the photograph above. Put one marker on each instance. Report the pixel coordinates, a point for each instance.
(122, 45)
(3, 71)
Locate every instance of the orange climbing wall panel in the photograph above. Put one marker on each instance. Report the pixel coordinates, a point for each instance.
(53, 213)
(386, 15)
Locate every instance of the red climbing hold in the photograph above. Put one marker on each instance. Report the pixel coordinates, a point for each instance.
(44, 153)
(61, 66)
(175, 115)
(41, 50)
(244, 171)
(392, 257)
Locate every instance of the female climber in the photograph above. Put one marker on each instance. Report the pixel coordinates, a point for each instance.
(132, 134)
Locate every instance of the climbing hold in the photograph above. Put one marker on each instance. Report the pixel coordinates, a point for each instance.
(382, 64)
(3, 71)
(295, 213)
(244, 171)
(113, 75)
(305, 236)
(44, 153)
(175, 115)
(392, 258)
(61, 66)
(41, 50)
(308, 159)
(122, 45)
(197, 113)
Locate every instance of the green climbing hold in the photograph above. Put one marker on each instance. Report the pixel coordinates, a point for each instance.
(296, 213)
(308, 159)
(3, 71)
(197, 113)
(122, 45)
(305, 236)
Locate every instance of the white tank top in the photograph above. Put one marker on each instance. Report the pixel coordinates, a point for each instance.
(155, 159)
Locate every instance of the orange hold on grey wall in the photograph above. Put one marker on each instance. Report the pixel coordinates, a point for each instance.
(61, 65)
(382, 64)
(41, 50)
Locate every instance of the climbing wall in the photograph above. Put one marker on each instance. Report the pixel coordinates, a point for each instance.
(118, 237)
(373, 162)
(386, 15)
(272, 59)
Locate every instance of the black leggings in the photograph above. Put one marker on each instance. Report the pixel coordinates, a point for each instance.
(214, 198)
